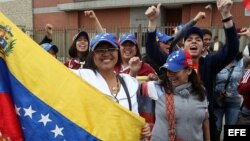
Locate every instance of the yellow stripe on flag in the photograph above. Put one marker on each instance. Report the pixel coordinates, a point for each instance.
(53, 83)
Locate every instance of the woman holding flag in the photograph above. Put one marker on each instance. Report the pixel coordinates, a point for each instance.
(121, 88)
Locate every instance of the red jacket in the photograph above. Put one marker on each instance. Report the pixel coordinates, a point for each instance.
(244, 89)
(74, 64)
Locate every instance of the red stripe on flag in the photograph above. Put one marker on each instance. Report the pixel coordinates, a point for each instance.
(9, 124)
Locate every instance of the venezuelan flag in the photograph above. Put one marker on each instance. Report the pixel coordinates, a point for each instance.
(51, 102)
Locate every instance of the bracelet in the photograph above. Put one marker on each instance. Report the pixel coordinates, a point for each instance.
(227, 19)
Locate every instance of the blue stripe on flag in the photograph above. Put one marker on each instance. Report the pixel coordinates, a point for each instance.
(39, 121)
(4, 81)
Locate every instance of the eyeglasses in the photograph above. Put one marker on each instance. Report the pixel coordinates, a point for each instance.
(101, 51)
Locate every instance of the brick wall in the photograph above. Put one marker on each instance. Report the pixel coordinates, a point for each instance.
(77, 19)
(189, 11)
(109, 18)
(58, 19)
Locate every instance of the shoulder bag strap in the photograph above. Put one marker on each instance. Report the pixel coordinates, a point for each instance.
(126, 91)
(228, 78)
(170, 116)
(248, 49)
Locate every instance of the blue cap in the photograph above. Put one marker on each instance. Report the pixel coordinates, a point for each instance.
(193, 30)
(162, 37)
(128, 37)
(104, 37)
(178, 60)
(48, 46)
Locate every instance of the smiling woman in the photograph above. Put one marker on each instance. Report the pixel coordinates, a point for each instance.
(177, 94)
(130, 51)
(103, 57)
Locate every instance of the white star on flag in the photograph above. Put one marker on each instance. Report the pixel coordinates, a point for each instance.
(45, 119)
(17, 110)
(29, 112)
(57, 131)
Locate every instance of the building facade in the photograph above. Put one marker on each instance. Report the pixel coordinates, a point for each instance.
(69, 13)
(119, 16)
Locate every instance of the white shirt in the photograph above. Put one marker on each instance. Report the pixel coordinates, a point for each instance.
(96, 80)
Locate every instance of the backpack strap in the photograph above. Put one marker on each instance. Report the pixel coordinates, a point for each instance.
(126, 91)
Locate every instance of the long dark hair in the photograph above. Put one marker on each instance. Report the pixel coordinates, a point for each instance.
(193, 78)
(73, 50)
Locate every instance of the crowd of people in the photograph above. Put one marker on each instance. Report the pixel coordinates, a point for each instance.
(189, 82)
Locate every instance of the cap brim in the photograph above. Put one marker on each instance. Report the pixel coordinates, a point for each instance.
(47, 47)
(104, 40)
(82, 33)
(168, 39)
(129, 41)
(172, 67)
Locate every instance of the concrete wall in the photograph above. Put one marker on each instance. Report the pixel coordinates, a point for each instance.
(137, 16)
(18, 11)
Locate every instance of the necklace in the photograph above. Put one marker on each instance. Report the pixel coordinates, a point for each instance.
(115, 90)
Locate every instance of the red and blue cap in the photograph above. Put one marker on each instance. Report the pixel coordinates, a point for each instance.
(162, 37)
(178, 60)
(104, 37)
(128, 37)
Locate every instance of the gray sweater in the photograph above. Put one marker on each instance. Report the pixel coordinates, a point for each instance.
(189, 113)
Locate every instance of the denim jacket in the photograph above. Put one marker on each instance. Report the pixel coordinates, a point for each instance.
(231, 90)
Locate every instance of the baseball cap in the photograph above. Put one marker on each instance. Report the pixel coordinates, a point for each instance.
(178, 60)
(162, 37)
(128, 37)
(48, 46)
(104, 37)
(81, 33)
(193, 30)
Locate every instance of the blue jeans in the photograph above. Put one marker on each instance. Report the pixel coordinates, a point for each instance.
(230, 110)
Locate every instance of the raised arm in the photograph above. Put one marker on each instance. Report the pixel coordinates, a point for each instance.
(48, 35)
(179, 35)
(153, 13)
(224, 6)
(152, 48)
(231, 48)
(93, 17)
